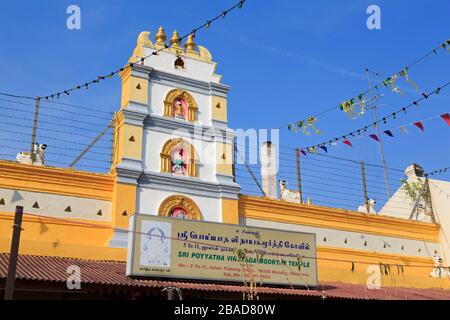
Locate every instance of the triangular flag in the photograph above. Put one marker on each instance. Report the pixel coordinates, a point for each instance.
(446, 118)
(324, 148)
(303, 152)
(403, 129)
(313, 150)
(389, 133)
(347, 142)
(374, 137)
(419, 125)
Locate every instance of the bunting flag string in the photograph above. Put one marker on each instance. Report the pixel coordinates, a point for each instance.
(110, 75)
(356, 106)
(446, 118)
(436, 172)
(393, 115)
(402, 128)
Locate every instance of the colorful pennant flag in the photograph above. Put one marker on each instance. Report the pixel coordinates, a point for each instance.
(324, 148)
(404, 73)
(389, 133)
(312, 150)
(419, 125)
(347, 143)
(303, 152)
(403, 129)
(446, 118)
(374, 137)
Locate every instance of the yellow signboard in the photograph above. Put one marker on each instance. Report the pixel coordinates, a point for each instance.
(189, 249)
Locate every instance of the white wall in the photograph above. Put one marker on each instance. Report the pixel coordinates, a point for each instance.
(159, 91)
(440, 199)
(195, 69)
(54, 205)
(400, 205)
(149, 201)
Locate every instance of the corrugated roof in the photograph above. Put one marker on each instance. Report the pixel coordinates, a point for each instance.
(112, 273)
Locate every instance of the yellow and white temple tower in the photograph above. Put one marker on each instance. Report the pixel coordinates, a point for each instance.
(173, 150)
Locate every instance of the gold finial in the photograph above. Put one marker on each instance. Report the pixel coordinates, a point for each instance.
(190, 44)
(160, 37)
(175, 40)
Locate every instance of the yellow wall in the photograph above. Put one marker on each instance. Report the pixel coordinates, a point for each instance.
(124, 204)
(48, 237)
(130, 91)
(219, 114)
(415, 271)
(230, 211)
(55, 180)
(127, 140)
(224, 159)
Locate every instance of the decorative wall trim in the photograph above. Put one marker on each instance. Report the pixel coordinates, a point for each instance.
(189, 84)
(169, 125)
(180, 201)
(188, 185)
(140, 71)
(135, 113)
(129, 170)
(350, 240)
(325, 217)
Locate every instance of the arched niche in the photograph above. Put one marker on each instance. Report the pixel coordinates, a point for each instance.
(178, 157)
(178, 203)
(181, 105)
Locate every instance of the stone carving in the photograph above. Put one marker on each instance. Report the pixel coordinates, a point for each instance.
(371, 207)
(39, 153)
(288, 195)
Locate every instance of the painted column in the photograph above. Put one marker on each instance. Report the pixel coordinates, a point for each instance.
(127, 156)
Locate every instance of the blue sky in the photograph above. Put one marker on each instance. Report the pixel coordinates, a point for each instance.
(284, 60)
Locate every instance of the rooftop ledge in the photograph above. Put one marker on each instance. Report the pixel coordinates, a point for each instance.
(254, 207)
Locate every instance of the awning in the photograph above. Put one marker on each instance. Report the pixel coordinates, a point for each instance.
(112, 274)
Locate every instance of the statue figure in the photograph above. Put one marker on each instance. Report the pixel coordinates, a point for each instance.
(179, 109)
(179, 213)
(178, 164)
(39, 154)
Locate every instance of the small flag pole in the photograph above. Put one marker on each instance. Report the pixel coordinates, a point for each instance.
(380, 143)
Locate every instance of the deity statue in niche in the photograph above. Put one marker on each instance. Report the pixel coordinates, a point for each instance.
(180, 109)
(180, 159)
(179, 213)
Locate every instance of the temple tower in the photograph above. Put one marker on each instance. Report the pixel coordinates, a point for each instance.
(173, 150)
